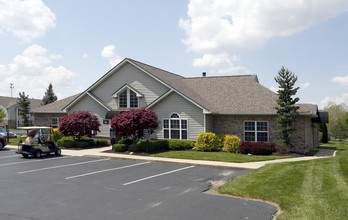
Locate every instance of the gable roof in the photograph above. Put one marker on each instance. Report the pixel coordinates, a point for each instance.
(54, 107)
(241, 94)
(8, 102)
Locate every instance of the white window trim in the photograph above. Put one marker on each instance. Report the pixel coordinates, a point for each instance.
(180, 128)
(256, 131)
(128, 99)
(58, 118)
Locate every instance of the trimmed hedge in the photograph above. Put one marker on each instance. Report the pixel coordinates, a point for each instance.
(125, 141)
(219, 140)
(231, 144)
(257, 148)
(119, 147)
(161, 145)
(70, 142)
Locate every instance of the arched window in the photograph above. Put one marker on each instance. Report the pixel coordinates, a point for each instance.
(175, 127)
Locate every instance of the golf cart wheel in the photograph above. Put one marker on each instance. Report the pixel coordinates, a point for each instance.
(37, 154)
(25, 155)
(58, 152)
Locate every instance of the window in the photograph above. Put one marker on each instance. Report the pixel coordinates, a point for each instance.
(54, 122)
(128, 99)
(175, 127)
(256, 131)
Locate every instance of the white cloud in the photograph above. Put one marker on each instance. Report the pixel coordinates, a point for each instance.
(85, 56)
(56, 56)
(274, 89)
(342, 80)
(26, 19)
(221, 63)
(338, 100)
(223, 25)
(32, 71)
(304, 85)
(108, 52)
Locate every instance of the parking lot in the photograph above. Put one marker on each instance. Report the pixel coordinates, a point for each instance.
(69, 187)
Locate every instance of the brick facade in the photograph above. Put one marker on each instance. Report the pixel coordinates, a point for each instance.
(45, 119)
(304, 138)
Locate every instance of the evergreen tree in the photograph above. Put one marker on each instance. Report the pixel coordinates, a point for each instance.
(49, 96)
(24, 107)
(286, 109)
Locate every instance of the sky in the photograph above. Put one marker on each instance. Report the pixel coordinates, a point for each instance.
(71, 44)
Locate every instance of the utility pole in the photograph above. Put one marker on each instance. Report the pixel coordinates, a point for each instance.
(11, 87)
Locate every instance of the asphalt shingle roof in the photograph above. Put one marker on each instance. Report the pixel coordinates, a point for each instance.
(241, 94)
(56, 106)
(7, 102)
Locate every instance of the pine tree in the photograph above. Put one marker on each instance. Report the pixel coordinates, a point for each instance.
(49, 96)
(325, 134)
(286, 109)
(24, 107)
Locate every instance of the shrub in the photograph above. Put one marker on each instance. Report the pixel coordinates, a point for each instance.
(163, 144)
(125, 141)
(180, 144)
(206, 142)
(101, 142)
(231, 143)
(134, 148)
(81, 144)
(57, 134)
(245, 147)
(220, 140)
(66, 143)
(119, 147)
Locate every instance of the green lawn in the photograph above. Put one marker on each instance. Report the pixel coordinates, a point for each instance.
(216, 156)
(14, 141)
(316, 189)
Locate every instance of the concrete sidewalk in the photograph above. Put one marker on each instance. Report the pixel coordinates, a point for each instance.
(99, 152)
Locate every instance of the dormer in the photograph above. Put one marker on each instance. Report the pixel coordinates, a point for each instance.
(127, 97)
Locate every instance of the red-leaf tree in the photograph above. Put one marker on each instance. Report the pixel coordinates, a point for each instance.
(132, 123)
(78, 124)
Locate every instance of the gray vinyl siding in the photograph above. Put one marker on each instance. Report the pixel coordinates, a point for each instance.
(88, 104)
(175, 103)
(150, 88)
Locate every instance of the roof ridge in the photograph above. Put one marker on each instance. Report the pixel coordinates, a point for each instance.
(203, 77)
(155, 67)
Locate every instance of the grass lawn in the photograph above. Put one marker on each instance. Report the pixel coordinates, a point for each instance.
(316, 189)
(216, 156)
(14, 141)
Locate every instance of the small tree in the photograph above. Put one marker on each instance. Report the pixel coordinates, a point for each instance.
(286, 109)
(78, 124)
(49, 96)
(133, 122)
(24, 108)
(337, 126)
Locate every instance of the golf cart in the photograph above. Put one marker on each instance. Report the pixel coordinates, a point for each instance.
(39, 140)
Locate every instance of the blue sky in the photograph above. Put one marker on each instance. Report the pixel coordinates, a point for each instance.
(73, 43)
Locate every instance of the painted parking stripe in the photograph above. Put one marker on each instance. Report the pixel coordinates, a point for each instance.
(65, 165)
(107, 170)
(9, 156)
(32, 161)
(157, 175)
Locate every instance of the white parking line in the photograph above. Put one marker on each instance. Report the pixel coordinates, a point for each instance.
(65, 165)
(102, 171)
(9, 156)
(161, 174)
(31, 161)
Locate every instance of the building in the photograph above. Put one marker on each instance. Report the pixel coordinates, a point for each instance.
(11, 108)
(237, 105)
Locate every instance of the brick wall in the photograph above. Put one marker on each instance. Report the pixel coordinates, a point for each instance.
(45, 119)
(304, 138)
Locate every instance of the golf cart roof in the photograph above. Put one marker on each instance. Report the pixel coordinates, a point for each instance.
(34, 127)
